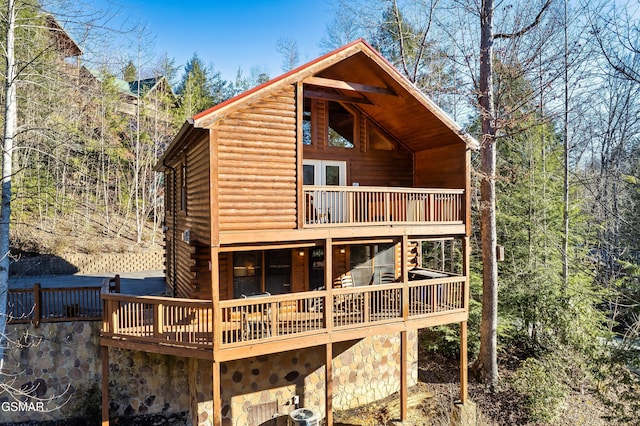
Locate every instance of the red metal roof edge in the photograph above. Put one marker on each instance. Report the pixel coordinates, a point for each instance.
(281, 77)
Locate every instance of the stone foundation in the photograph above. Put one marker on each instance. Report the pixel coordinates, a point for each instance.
(364, 371)
(59, 366)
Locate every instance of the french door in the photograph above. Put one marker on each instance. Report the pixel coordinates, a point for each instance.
(329, 205)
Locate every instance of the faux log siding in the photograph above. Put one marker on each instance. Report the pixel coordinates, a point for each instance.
(192, 273)
(169, 201)
(257, 165)
(442, 167)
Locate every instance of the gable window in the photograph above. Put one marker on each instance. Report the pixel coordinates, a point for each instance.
(341, 126)
(378, 139)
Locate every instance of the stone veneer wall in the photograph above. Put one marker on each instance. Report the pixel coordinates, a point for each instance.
(60, 363)
(364, 371)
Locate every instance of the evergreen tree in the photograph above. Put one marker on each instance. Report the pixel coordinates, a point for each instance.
(200, 88)
(130, 72)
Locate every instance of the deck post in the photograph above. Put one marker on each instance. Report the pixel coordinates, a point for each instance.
(404, 390)
(37, 305)
(104, 353)
(464, 387)
(404, 270)
(328, 384)
(216, 394)
(328, 279)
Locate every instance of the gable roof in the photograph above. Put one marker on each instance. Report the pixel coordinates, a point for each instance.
(65, 44)
(380, 90)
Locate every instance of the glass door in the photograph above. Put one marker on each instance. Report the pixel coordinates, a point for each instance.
(330, 205)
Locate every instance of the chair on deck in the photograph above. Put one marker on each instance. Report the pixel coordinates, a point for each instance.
(387, 278)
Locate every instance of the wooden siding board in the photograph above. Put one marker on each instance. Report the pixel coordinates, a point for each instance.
(245, 171)
(443, 167)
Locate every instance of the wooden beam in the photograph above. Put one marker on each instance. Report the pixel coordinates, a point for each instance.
(345, 85)
(192, 375)
(256, 247)
(328, 284)
(299, 152)
(104, 353)
(216, 394)
(464, 385)
(335, 97)
(404, 389)
(328, 384)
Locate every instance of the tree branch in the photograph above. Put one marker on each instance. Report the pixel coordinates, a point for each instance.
(528, 28)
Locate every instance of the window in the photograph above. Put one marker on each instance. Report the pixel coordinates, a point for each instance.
(341, 125)
(379, 140)
(255, 272)
(306, 128)
(183, 187)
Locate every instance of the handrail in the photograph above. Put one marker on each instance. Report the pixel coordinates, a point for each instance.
(367, 205)
(241, 322)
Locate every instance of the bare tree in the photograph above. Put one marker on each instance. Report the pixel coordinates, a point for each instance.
(488, 359)
(288, 48)
(9, 133)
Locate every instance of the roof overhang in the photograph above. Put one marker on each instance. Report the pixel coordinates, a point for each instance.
(358, 74)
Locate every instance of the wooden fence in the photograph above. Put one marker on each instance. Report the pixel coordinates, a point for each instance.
(35, 305)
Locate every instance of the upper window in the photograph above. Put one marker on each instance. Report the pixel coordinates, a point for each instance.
(378, 139)
(306, 127)
(341, 125)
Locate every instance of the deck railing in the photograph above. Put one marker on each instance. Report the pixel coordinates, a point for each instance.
(37, 304)
(158, 319)
(189, 323)
(353, 205)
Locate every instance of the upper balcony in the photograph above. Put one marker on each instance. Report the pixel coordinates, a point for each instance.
(334, 206)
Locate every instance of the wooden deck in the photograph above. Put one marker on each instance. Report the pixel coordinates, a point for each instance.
(277, 323)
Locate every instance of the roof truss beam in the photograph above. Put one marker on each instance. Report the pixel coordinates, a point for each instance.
(345, 85)
(335, 97)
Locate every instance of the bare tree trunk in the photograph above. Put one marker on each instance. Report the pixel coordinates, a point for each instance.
(488, 330)
(10, 125)
(565, 137)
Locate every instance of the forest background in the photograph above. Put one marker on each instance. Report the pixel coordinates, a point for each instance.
(567, 117)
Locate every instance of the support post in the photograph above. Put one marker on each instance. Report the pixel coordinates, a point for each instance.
(404, 389)
(193, 389)
(404, 270)
(464, 386)
(328, 279)
(328, 384)
(216, 394)
(104, 353)
(37, 305)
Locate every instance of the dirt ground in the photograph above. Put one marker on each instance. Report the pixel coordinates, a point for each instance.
(431, 401)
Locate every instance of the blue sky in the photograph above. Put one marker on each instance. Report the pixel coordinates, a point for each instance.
(229, 34)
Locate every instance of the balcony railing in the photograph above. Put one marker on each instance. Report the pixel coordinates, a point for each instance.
(189, 323)
(360, 205)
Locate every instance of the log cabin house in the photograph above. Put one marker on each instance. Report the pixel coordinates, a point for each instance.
(313, 225)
